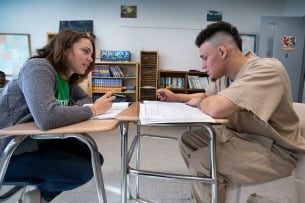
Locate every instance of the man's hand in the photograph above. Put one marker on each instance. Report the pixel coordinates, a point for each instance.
(166, 95)
(195, 102)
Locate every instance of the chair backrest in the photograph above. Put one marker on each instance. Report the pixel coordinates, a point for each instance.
(299, 173)
(300, 110)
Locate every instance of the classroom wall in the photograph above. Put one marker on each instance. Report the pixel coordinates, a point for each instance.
(169, 26)
(295, 8)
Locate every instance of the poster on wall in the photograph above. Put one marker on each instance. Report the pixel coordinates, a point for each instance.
(248, 42)
(78, 25)
(288, 43)
(15, 49)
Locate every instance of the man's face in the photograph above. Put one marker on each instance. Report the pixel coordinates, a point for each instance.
(212, 60)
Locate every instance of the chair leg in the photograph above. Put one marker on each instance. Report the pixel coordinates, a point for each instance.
(11, 192)
(6, 155)
(22, 195)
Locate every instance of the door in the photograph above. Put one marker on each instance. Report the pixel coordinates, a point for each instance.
(284, 38)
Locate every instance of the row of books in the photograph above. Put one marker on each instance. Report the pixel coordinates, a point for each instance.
(196, 82)
(107, 71)
(107, 82)
(172, 82)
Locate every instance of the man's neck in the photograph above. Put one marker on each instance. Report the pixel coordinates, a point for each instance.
(236, 63)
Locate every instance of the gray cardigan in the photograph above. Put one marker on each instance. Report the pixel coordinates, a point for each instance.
(31, 97)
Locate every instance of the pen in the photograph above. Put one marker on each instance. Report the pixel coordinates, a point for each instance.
(118, 95)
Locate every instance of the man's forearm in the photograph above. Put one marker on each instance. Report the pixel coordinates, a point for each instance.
(186, 97)
(217, 106)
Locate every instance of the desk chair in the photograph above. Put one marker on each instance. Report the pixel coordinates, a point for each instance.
(291, 189)
(135, 145)
(17, 185)
(14, 143)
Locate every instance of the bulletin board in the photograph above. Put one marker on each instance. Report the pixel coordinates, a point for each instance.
(15, 49)
(248, 42)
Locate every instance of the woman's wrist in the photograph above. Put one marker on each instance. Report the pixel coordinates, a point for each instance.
(93, 111)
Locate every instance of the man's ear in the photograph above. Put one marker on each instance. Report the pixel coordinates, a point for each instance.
(222, 52)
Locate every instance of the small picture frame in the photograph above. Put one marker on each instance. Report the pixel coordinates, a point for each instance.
(15, 49)
(128, 11)
(213, 15)
(288, 42)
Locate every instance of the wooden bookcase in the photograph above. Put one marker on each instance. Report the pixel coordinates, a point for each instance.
(50, 35)
(148, 75)
(126, 85)
(178, 81)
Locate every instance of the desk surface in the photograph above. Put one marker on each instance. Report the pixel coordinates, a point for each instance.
(82, 127)
(132, 114)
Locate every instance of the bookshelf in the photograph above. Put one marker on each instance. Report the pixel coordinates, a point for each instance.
(182, 81)
(119, 76)
(50, 35)
(148, 75)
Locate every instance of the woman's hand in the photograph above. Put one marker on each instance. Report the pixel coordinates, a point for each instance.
(103, 104)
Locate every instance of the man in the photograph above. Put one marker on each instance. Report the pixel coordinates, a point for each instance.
(262, 138)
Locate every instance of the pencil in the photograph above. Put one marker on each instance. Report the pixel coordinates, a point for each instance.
(169, 87)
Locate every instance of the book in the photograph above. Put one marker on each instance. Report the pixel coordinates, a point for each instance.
(171, 112)
(196, 82)
(118, 69)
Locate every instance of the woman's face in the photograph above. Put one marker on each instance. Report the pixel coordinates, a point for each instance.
(80, 56)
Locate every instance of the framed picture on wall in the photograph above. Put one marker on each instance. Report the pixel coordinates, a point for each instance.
(128, 11)
(248, 42)
(15, 49)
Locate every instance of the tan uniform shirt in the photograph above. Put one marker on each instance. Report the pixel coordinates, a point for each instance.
(262, 91)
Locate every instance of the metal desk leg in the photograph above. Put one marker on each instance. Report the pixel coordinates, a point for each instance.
(124, 146)
(212, 135)
(138, 161)
(96, 165)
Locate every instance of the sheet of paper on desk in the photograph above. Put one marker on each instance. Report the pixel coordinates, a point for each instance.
(113, 111)
(171, 112)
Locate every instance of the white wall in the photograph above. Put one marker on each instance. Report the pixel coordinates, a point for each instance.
(295, 8)
(169, 26)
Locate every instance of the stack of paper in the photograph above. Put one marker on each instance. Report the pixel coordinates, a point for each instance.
(171, 112)
(113, 111)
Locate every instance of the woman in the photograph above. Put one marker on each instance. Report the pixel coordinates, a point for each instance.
(47, 93)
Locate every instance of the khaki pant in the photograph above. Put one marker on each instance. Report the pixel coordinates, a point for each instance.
(240, 159)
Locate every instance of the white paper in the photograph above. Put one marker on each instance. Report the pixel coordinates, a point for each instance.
(113, 111)
(171, 112)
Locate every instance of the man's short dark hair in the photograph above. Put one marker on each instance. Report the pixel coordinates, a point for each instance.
(214, 28)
